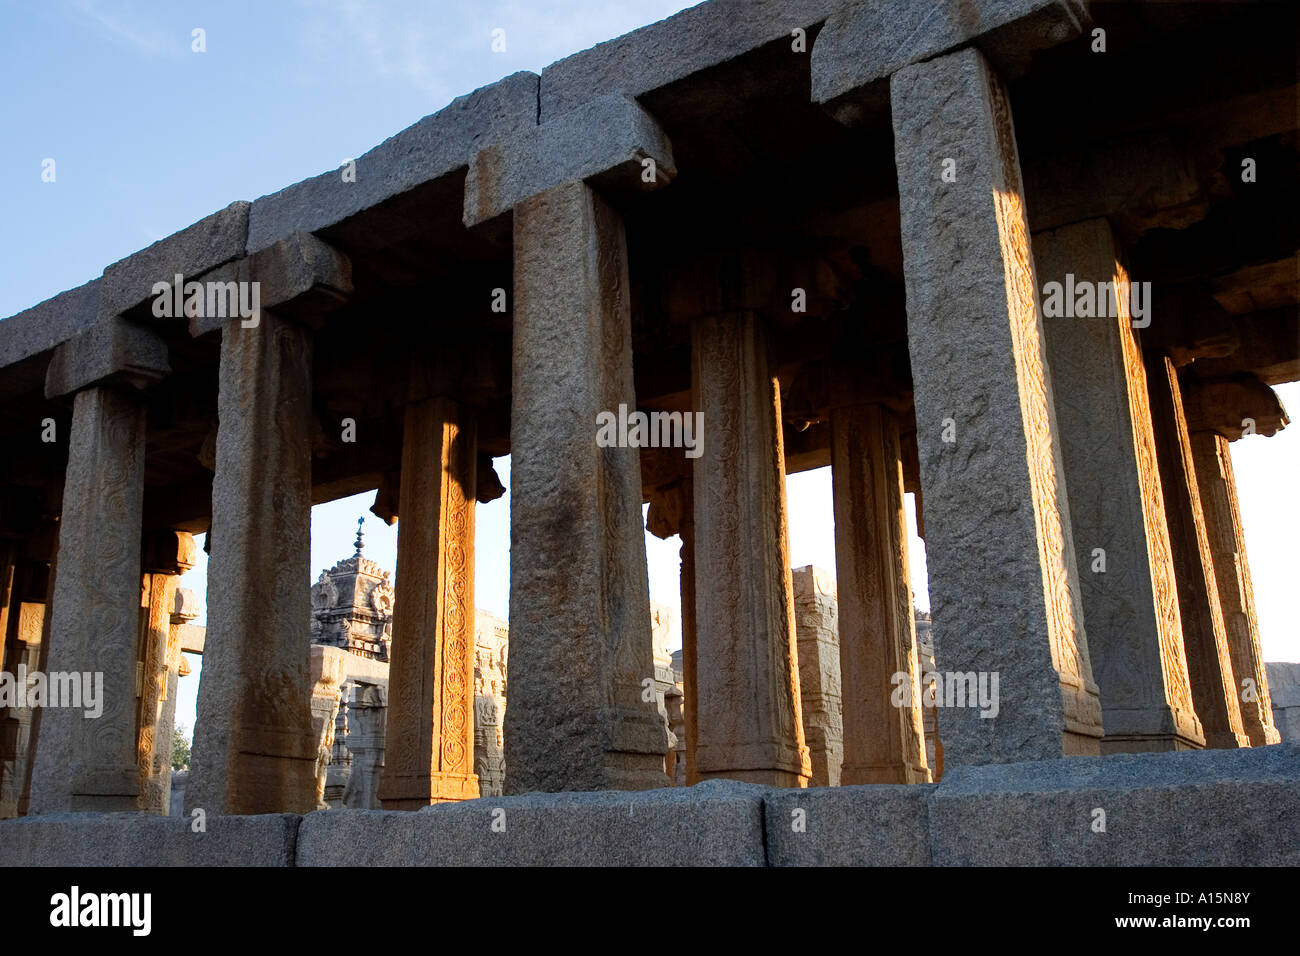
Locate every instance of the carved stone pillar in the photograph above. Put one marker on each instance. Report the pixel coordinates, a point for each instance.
(367, 717)
(1205, 639)
(1003, 581)
(166, 556)
(326, 691)
(884, 739)
(430, 752)
(85, 763)
(750, 726)
(1117, 510)
(1218, 488)
(254, 750)
(580, 642)
(672, 511)
(184, 609)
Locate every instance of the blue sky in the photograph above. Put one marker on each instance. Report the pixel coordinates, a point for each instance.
(148, 136)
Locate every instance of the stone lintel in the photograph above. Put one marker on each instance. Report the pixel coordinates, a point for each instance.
(861, 45)
(1233, 407)
(755, 279)
(603, 142)
(112, 352)
(1141, 182)
(300, 277)
(46, 324)
(201, 247)
(696, 39)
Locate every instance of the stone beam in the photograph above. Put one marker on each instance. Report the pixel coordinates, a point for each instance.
(580, 639)
(608, 142)
(1130, 600)
(194, 250)
(750, 726)
(436, 146)
(1142, 182)
(698, 38)
(1003, 581)
(863, 44)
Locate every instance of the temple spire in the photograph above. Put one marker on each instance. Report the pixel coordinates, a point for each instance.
(360, 521)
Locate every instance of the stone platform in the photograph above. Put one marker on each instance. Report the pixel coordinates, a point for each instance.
(1191, 808)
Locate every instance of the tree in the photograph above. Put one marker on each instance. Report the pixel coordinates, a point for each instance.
(180, 749)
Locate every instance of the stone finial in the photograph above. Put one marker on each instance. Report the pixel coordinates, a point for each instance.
(360, 536)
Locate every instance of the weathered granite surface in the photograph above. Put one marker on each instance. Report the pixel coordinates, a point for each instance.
(695, 39)
(434, 147)
(1189, 808)
(1284, 688)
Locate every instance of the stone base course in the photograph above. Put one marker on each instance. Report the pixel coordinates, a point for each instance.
(1187, 808)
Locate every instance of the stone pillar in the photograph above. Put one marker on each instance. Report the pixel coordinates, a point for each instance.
(690, 686)
(86, 763)
(1218, 488)
(184, 609)
(166, 556)
(254, 749)
(1117, 510)
(430, 753)
(672, 511)
(24, 589)
(326, 679)
(884, 737)
(579, 597)
(367, 717)
(1205, 639)
(750, 726)
(1003, 582)
(819, 673)
(42, 665)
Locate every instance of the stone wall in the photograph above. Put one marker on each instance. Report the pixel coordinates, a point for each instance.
(1284, 686)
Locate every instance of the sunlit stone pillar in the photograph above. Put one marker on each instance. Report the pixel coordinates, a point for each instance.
(580, 641)
(1117, 509)
(884, 740)
(89, 763)
(1003, 582)
(1218, 487)
(166, 556)
(184, 609)
(429, 757)
(1204, 635)
(672, 511)
(750, 727)
(254, 751)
